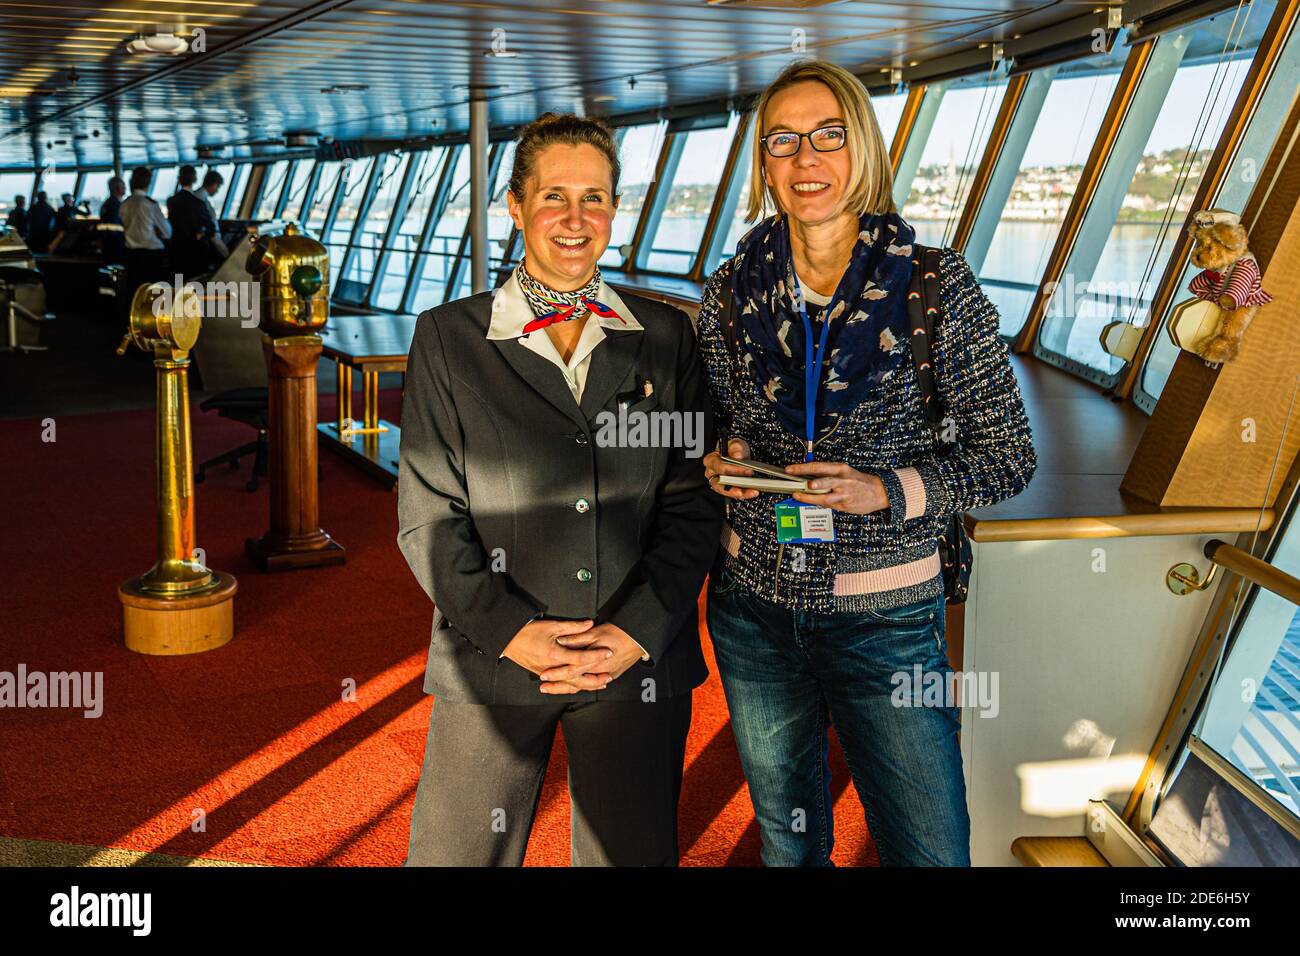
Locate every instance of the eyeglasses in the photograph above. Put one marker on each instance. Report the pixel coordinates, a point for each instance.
(824, 140)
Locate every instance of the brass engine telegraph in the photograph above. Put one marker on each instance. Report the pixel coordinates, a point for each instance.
(179, 606)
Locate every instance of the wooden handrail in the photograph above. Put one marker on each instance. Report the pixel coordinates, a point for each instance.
(1257, 572)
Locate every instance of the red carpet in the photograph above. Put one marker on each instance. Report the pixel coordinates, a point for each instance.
(249, 752)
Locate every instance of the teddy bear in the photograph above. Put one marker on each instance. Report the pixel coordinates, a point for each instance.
(1230, 278)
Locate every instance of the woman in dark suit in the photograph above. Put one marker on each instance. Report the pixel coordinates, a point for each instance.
(552, 503)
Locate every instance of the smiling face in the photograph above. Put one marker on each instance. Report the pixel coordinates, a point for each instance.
(809, 185)
(565, 215)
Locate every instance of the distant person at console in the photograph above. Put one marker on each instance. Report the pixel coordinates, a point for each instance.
(196, 243)
(186, 176)
(17, 220)
(196, 246)
(147, 231)
(67, 212)
(212, 182)
(110, 213)
(41, 223)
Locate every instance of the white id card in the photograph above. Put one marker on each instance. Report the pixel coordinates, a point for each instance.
(800, 523)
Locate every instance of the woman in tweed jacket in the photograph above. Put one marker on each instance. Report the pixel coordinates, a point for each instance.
(811, 633)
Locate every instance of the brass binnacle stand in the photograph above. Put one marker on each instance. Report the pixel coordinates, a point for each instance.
(292, 270)
(179, 606)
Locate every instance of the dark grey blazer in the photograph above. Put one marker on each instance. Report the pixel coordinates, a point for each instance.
(509, 508)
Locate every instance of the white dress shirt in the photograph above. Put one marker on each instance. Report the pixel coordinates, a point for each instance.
(511, 312)
(143, 222)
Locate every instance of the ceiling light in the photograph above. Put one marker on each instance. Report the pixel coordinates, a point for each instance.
(165, 43)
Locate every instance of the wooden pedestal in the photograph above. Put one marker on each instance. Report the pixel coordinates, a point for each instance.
(295, 539)
(181, 625)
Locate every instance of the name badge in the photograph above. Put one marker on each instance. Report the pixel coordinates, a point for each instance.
(801, 523)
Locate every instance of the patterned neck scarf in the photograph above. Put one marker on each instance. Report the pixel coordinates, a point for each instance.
(550, 306)
(868, 316)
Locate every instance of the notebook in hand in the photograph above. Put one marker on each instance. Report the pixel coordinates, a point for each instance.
(766, 478)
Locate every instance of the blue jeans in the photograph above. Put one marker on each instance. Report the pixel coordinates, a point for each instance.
(787, 674)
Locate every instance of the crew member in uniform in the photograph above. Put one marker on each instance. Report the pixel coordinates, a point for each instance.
(40, 224)
(68, 211)
(147, 231)
(111, 213)
(17, 219)
(564, 557)
(194, 228)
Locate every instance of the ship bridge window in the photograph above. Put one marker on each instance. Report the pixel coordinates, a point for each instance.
(1245, 744)
(889, 110)
(356, 177)
(638, 152)
(161, 187)
(1055, 126)
(683, 200)
(291, 202)
(938, 166)
(363, 249)
(14, 184)
(499, 224)
(55, 183)
(736, 204)
(322, 197)
(1256, 143)
(1147, 186)
(273, 178)
(394, 269)
(234, 191)
(94, 189)
(437, 258)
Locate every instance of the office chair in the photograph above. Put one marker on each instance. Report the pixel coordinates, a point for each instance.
(247, 405)
(11, 278)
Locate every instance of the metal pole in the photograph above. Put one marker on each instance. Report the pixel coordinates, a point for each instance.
(478, 192)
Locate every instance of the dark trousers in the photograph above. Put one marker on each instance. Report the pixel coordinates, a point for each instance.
(483, 770)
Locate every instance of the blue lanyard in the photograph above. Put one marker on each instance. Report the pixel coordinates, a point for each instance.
(813, 367)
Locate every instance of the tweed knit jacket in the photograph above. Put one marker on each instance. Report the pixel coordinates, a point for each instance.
(889, 558)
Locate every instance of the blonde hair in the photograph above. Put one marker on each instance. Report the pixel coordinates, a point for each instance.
(871, 182)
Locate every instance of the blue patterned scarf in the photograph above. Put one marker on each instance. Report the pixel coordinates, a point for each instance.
(868, 316)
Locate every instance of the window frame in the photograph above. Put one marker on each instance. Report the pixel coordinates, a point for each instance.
(1118, 169)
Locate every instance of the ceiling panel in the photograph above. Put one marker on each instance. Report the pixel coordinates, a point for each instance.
(70, 91)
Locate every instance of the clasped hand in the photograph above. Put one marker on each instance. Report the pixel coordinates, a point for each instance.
(573, 656)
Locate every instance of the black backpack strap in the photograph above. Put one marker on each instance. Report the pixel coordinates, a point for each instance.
(923, 314)
(727, 317)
